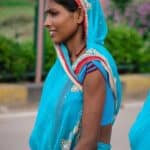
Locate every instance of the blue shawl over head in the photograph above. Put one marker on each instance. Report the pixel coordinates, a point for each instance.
(60, 110)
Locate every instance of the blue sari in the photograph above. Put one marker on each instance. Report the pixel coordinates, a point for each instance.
(139, 134)
(58, 122)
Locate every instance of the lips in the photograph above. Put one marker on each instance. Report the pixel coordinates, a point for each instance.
(52, 32)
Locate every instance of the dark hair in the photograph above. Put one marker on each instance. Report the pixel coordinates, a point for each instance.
(70, 5)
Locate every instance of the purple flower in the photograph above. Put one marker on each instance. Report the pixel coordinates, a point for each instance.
(136, 15)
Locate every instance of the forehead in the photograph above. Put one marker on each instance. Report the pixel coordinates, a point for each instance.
(51, 4)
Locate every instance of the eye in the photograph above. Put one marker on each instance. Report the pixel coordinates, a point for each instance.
(54, 13)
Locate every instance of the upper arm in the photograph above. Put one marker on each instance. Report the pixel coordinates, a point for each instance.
(93, 103)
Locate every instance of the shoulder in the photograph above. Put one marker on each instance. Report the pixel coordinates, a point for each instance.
(94, 81)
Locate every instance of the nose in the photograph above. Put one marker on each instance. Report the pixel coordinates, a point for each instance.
(47, 22)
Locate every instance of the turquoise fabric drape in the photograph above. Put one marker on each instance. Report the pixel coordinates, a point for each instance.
(103, 146)
(139, 135)
(57, 125)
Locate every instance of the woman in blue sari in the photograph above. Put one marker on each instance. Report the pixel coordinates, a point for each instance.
(82, 92)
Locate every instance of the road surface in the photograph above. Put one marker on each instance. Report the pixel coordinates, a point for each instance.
(15, 128)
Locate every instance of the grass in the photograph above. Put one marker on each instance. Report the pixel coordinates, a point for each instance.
(17, 18)
(8, 12)
(17, 2)
(17, 22)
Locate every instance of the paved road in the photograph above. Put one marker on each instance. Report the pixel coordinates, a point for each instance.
(15, 128)
(123, 123)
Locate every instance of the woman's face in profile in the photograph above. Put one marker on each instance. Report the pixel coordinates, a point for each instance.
(60, 22)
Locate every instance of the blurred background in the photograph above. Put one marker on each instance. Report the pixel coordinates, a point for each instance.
(24, 63)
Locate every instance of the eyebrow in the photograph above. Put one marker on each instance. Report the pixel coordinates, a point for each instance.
(47, 10)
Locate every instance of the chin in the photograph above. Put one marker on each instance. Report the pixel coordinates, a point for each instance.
(57, 41)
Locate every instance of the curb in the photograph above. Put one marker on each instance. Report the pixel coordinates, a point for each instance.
(19, 94)
(135, 87)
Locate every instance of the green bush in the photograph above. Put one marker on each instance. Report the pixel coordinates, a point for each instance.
(49, 52)
(15, 59)
(16, 2)
(18, 60)
(144, 61)
(28, 54)
(125, 43)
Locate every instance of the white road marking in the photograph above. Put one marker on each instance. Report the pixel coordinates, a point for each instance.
(133, 104)
(17, 115)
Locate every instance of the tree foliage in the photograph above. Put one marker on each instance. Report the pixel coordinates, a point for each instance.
(121, 4)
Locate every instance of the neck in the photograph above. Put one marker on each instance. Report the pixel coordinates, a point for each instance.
(76, 43)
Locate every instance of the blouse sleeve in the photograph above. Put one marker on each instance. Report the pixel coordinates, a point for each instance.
(90, 67)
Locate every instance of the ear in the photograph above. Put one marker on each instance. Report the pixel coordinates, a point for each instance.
(79, 15)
